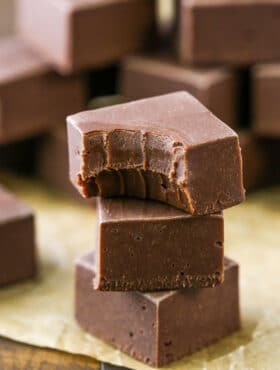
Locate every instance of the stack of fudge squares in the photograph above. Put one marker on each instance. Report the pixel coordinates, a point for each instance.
(157, 285)
(163, 167)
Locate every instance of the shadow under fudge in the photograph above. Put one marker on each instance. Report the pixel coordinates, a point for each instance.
(168, 148)
(162, 327)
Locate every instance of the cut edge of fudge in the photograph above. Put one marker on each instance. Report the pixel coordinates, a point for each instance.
(162, 161)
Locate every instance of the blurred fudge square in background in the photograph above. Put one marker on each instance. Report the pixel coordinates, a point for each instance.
(215, 87)
(229, 32)
(265, 99)
(33, 98)
(75, 35)
(17, 236)
(7, 21)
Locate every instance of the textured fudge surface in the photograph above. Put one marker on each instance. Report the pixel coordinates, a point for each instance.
(17, 247)
(159, 327)
(150, 246)
(168, 148)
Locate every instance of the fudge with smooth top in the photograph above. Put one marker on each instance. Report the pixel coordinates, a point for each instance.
(168, 148)
(33, 98)
(83, 34)
(161, 327)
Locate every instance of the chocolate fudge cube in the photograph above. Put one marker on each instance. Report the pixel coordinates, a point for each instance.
(17, 244)
(215, 87)
(265, 95)
(33, 98)
(85, 34)
(168, 148)
(161, 327)
(149, 246)
(231, 32)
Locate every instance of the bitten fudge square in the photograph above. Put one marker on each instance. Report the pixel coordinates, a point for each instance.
(150, 246)
(159, 327)
(168, 148)
(17, 240)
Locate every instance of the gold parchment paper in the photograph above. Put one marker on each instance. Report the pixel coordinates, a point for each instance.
(41, 312)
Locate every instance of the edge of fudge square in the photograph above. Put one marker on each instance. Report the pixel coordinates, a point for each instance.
(229, 32)
(168, 148)
(265, 99)
(17, 240)
(33, 98)
(144, 76)
(150, 246)
(162, 327)
(80, 34)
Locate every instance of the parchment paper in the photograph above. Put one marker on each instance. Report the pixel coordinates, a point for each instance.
(41, 312)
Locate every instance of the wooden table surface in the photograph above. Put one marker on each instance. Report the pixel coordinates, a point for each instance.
(17, 356)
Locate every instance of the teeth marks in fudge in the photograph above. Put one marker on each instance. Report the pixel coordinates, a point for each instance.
(171, 139)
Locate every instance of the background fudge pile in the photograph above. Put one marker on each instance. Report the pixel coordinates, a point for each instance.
(70, 55)
(157, 286)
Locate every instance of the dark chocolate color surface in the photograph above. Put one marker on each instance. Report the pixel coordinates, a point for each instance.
(158, 328)
(150, 246)
(171, 148)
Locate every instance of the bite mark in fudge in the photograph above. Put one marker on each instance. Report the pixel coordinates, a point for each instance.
(168, 148)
